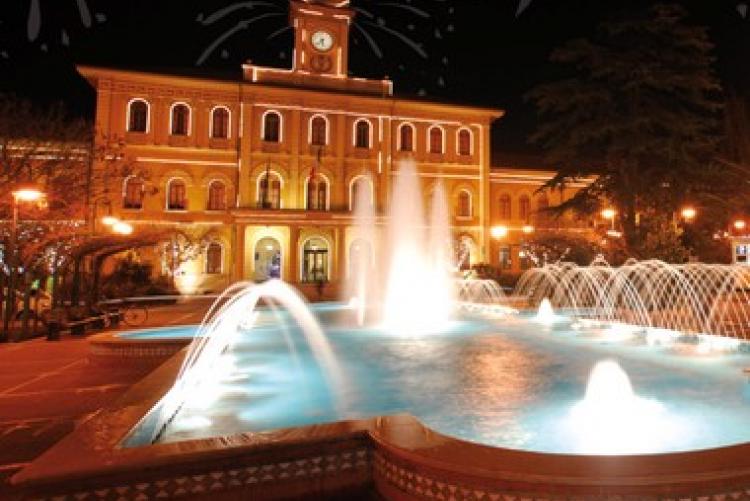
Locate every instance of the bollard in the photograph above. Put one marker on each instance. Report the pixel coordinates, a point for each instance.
(78, 328)
(98, 323)
(53, 331)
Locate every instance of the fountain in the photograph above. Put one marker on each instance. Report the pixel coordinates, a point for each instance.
(612, 419)
(224, 322)
(692, 298)
(416, 295)
(361, 283)
(546, 314)
(417, 299)
(286, 396)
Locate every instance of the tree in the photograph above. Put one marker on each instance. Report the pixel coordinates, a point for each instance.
(545, 249)
(639, 115)
(662, 240)
(46, 147)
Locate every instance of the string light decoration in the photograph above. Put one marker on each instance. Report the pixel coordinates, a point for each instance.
(406, 37)
(56, 27)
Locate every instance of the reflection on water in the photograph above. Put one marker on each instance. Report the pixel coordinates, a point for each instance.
(510, 384)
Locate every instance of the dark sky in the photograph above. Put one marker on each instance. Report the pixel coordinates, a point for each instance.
(474, 51)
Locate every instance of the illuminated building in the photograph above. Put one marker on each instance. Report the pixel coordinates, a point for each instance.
(264, 171)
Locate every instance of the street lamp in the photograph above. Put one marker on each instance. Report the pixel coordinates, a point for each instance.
(610, 214)
(499, 232)
(740, 225)
(688, 214)
(110, 221)
(528, 229)
(26, 194)
(122, 228)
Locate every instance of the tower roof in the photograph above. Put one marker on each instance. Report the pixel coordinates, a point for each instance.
(329, 3)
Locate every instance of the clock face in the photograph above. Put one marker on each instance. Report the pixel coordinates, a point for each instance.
(322, 41)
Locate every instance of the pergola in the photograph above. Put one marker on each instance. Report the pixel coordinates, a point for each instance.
(79, 248)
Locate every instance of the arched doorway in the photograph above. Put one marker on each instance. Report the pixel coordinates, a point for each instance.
(315, 261)
(360, 257)
(267, 259)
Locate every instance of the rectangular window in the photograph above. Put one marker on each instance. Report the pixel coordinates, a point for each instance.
(315, 266)
(213, 259)
(177, 200)
(133, 194)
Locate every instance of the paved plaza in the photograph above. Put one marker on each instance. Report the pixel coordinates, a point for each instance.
(46, 388)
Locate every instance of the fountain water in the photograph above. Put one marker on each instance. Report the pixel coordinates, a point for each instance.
(420, 293)
(612, 419)
(232, 313)
(691, 298)
(361, 283)
(418, 297)
(546, 314)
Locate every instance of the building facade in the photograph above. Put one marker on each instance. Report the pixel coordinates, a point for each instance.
(266, 171)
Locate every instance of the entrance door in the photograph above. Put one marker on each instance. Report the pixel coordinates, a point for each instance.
(315, 261)
(267, 259)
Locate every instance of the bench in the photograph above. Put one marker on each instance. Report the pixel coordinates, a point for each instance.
(78, 327)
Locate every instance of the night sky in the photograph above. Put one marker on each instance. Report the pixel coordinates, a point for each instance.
(484, 52)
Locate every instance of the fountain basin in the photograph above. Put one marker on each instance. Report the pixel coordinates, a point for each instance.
(398, 456)
(402, 456)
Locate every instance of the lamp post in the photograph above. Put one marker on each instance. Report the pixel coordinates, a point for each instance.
(122, 228)
(610, 214)
(28, 194)
(499, 232)
(688, 214)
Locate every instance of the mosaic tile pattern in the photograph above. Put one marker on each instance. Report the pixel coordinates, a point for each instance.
(426, 487)
(342, 463)
(358, 465)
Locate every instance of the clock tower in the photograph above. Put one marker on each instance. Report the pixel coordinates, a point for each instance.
(321, 40)
(321, 52)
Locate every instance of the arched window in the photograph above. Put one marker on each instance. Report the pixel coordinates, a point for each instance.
(176, 195)
(436, 140)
(360, 193)
(362, 134)
(138, 111)
(406, 138)
(464, 204)
(180, 120)
(506, 210)
(524, 208)
(214, 258)
(220, 123)
(464, 142)
(272, 127)
(317, 193)
(217, 196)
(133, 193)
(318, 131)
(269, 191)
